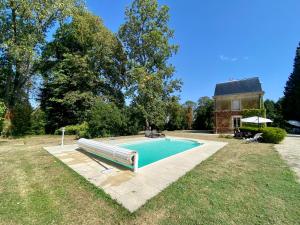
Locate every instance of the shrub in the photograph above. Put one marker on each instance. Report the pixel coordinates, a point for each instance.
(105, 119)
(270, 134)
(273, 135)
(252, 130)
(80, 130)
(38, 121)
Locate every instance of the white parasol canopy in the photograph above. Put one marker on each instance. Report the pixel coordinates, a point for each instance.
(294, 123)
(256, 119)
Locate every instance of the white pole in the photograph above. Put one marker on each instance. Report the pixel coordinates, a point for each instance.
(62, 137)
(136, 162)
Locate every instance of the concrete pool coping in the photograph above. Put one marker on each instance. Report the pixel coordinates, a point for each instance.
(132, 190)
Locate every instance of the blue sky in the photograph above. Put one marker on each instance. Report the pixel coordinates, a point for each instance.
(222, 40)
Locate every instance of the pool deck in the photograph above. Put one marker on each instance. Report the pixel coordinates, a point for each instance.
(132, 190)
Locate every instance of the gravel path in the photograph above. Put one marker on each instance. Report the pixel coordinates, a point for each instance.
(289, 149)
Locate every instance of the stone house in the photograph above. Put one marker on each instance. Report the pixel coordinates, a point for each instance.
(232, 99)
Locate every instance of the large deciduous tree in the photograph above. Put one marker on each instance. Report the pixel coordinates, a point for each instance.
(291, 100)
(146, 39)
(204, 114)
(23, 28)
(83, 62)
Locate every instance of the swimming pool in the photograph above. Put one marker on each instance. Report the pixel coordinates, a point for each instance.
(154, 150)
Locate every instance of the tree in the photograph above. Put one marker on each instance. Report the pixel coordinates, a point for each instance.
(38, 121)
(84, 61)
(189, 108)
(291, 100)
(105, 119)
(145, 36)
(23, 26)
(176, 115)
(204, 114)
(274, 112)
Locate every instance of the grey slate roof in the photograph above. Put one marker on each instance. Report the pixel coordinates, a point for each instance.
(238, 86)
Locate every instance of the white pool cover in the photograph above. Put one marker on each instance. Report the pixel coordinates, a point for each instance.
(110, 152)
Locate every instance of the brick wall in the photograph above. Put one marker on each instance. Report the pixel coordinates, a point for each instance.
(223, 121)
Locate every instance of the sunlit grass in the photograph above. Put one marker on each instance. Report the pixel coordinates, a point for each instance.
(241, 184)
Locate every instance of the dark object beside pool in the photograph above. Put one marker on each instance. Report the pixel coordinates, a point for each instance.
(153, 134)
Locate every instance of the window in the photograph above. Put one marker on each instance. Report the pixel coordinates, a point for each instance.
(236, 121)
(235, 105)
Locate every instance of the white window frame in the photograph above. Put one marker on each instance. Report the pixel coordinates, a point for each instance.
(232, 121)
(240, 104)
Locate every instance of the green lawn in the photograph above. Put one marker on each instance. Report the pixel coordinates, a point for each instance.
(240, 184)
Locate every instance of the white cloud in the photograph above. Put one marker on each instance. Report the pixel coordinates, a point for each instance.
(226, 58)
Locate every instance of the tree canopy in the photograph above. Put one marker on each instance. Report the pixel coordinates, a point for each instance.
(85, 61)
(146, 36)
(23, 26)
(204, 114)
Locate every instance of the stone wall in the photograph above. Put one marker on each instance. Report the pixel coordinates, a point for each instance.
(223, 114)
(223, 121)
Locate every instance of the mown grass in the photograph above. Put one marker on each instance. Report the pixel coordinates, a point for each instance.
(240, 184)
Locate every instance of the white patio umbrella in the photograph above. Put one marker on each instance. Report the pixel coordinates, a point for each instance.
(256, 119)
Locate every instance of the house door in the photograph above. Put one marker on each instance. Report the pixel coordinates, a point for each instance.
(236, 121)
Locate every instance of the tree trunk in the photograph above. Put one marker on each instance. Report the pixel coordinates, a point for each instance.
(7, 128)
(147, 124)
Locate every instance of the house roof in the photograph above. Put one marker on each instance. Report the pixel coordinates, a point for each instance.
(238, 86)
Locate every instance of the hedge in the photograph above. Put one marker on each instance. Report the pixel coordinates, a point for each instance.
(80, 130)
(273, 134)
(269, 134)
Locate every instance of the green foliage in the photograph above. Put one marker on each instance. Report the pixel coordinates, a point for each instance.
(204, 114)
(176, 116)
(189, 108)
(291, 99)
(87, 60)
(252, 129)
(2, 113)
(105, 119)
(133, 121)
(273, 134)
(20, 123)
(254, 112)
(145, 36)
(80, 130)
(274, 112)
(38, 121)
(23, 26)
(270, 134)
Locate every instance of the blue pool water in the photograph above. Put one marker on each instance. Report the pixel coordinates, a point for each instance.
(152, 151)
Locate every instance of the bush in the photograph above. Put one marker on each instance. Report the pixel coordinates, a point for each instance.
(38, 121)
(253, 130)
(270, 134)
(105, 119)
(80, 130)
(273, 135)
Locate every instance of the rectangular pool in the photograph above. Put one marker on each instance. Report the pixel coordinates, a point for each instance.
(152, 151)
